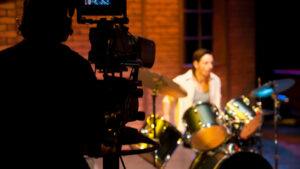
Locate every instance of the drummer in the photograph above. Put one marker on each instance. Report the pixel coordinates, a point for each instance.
(200, 83)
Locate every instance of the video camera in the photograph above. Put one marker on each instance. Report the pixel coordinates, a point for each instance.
(113, 47)
(115, 50)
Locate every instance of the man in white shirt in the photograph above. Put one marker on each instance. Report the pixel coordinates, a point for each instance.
(200, 83)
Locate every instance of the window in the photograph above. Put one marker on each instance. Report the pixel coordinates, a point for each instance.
(197, 27)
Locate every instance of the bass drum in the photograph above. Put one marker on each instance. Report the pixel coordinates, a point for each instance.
(239, 160)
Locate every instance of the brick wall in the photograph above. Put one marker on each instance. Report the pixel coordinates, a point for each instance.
(9, 16)
(162, 21)
(241, 42)
(234, 46)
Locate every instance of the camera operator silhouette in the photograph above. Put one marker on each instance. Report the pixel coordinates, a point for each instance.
(41, 55)
(47, 100)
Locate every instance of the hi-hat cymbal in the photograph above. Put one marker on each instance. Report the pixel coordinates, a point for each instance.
(160, 83)
(276, 86)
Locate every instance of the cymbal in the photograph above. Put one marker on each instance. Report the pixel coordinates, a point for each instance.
(160, 83)
(276, 86)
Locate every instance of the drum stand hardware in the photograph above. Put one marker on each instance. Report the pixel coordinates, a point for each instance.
(273, 88)
(154, 94)
(111, 153)
(275, 121)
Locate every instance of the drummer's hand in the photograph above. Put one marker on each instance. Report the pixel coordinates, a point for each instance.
(221, 116)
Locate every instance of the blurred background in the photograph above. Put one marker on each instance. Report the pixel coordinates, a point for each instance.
(250, 40)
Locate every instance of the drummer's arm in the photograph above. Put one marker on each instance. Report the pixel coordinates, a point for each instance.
(167, 106)
(215, 95)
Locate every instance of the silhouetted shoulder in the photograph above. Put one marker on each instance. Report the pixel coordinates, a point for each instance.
(38, 61)
(6, 55)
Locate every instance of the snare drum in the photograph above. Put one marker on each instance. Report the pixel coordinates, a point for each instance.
(167, 136)
(202, 122)
(243, 117)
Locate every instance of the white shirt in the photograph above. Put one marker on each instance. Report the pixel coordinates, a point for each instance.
(186, 81)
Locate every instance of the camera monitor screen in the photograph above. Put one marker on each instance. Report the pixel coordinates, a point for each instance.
(98, 2)
(102, 7)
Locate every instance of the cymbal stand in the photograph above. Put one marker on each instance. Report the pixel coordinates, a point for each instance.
(259, 131)
(275, 121)
(154, 95)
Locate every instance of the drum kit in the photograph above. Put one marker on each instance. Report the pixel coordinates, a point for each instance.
(220, 139)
